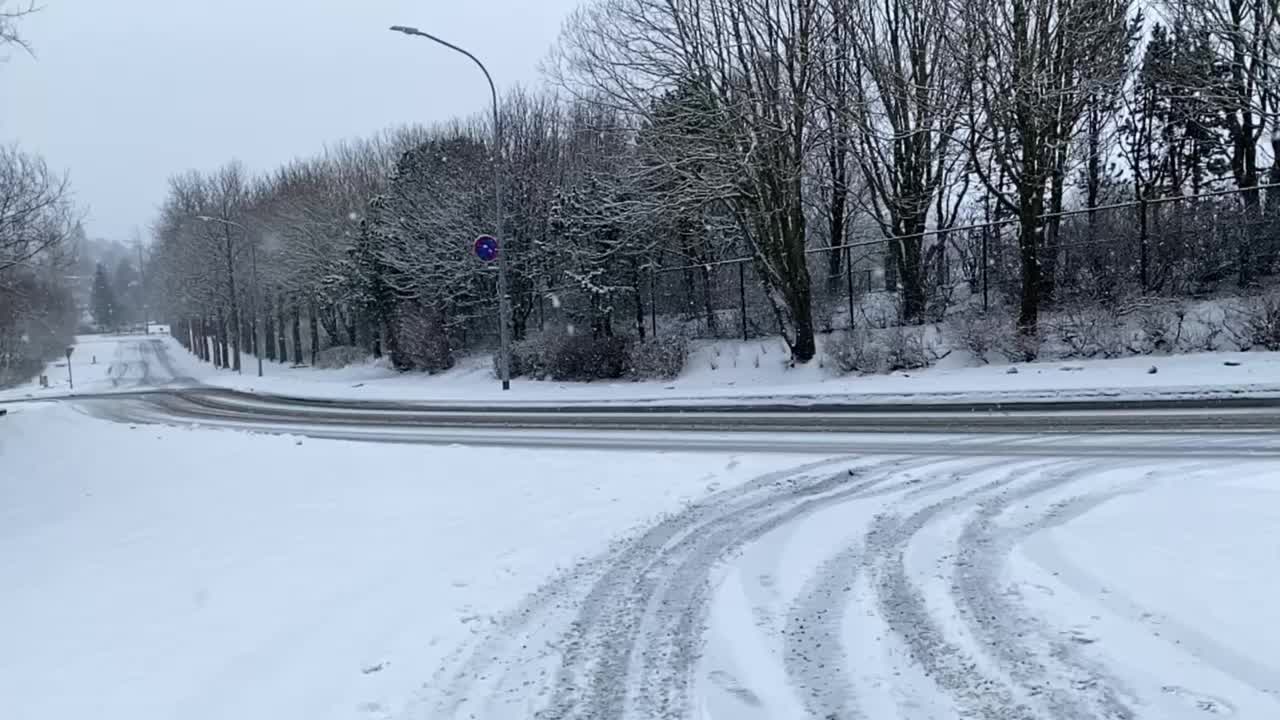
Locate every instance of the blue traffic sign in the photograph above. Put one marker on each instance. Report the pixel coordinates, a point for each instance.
(486, 248)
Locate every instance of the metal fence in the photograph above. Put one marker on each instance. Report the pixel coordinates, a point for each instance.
(1181, 246)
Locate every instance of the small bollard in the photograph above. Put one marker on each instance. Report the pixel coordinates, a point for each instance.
(44, 381)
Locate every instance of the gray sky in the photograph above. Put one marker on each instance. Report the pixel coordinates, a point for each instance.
(125, 93)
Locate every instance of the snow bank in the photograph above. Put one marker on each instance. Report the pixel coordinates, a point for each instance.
(759, 369)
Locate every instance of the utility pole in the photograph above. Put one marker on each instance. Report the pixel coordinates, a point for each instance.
(504, 302)
(142, 291)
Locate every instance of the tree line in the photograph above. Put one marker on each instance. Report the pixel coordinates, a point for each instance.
(682, 133)
(38, 225)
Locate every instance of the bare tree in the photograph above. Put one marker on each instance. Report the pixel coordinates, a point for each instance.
(1243, 36)
(909, 96)
(1034, 63)
(35, 212)
(37, 223)
(10, 14)
(749, 70)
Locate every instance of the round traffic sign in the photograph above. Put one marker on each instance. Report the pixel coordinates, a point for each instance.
(486, 247)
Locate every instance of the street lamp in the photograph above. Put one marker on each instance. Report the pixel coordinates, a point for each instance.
(253, 262)
(504, 303)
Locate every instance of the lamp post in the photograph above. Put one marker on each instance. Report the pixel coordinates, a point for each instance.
(504, 303)
(253, 263)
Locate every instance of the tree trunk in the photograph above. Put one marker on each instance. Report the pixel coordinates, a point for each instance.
(1144, 268)
(836, 219)
(353, 331)
(1049, 256)
(220, 340)
(638, 297)
(1030, 206)
(890, 269)
(799, 295)
(314, 327)
(905, 250)
(224, 328)
(297, 334)
(708, 303)
(268, 330)
(329, 320)
(234, 301)
(282, 328)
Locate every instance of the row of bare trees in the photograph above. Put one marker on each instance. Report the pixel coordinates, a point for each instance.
(688, 131)
(38, 223)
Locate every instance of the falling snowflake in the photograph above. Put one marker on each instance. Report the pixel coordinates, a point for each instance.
(555, 300)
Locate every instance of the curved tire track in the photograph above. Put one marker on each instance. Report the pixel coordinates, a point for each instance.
(632, 643)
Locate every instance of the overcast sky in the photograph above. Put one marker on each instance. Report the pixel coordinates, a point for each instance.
(125, 93)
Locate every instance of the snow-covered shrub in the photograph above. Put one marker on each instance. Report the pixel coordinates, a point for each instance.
(1202, 330)
(530, 357)
(423, 343)
(659, 358)
(855, 351)
(1020, 347)
(981, 332)
(340, 356)
(905, 349)
(583, 357)
(1159, 327)
(1255, 322)
(880, 309)
(1088, 332)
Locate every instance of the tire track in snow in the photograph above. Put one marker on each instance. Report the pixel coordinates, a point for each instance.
(657, 695)
(639, 632)
(1060, 679)
(631, 645)
(977, 692)
(546, 623)
(814, 656)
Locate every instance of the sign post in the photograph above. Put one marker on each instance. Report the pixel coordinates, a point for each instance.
(70, 380)
(486, 248)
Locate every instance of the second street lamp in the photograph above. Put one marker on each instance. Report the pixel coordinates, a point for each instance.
(504, 302)
(253, 263)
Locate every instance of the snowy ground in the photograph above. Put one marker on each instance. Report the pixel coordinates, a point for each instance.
(109, 363)
(168, 573)
(734, 369)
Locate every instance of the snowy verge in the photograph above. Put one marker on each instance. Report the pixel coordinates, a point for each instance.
(722, 371)
(165, 572)
(757, 370)
(94, 359)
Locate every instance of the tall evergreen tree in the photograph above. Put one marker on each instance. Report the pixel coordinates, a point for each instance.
(103, 300)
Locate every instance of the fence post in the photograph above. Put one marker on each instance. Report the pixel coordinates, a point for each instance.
(848, 281)
(742, 297)
(653, 302)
